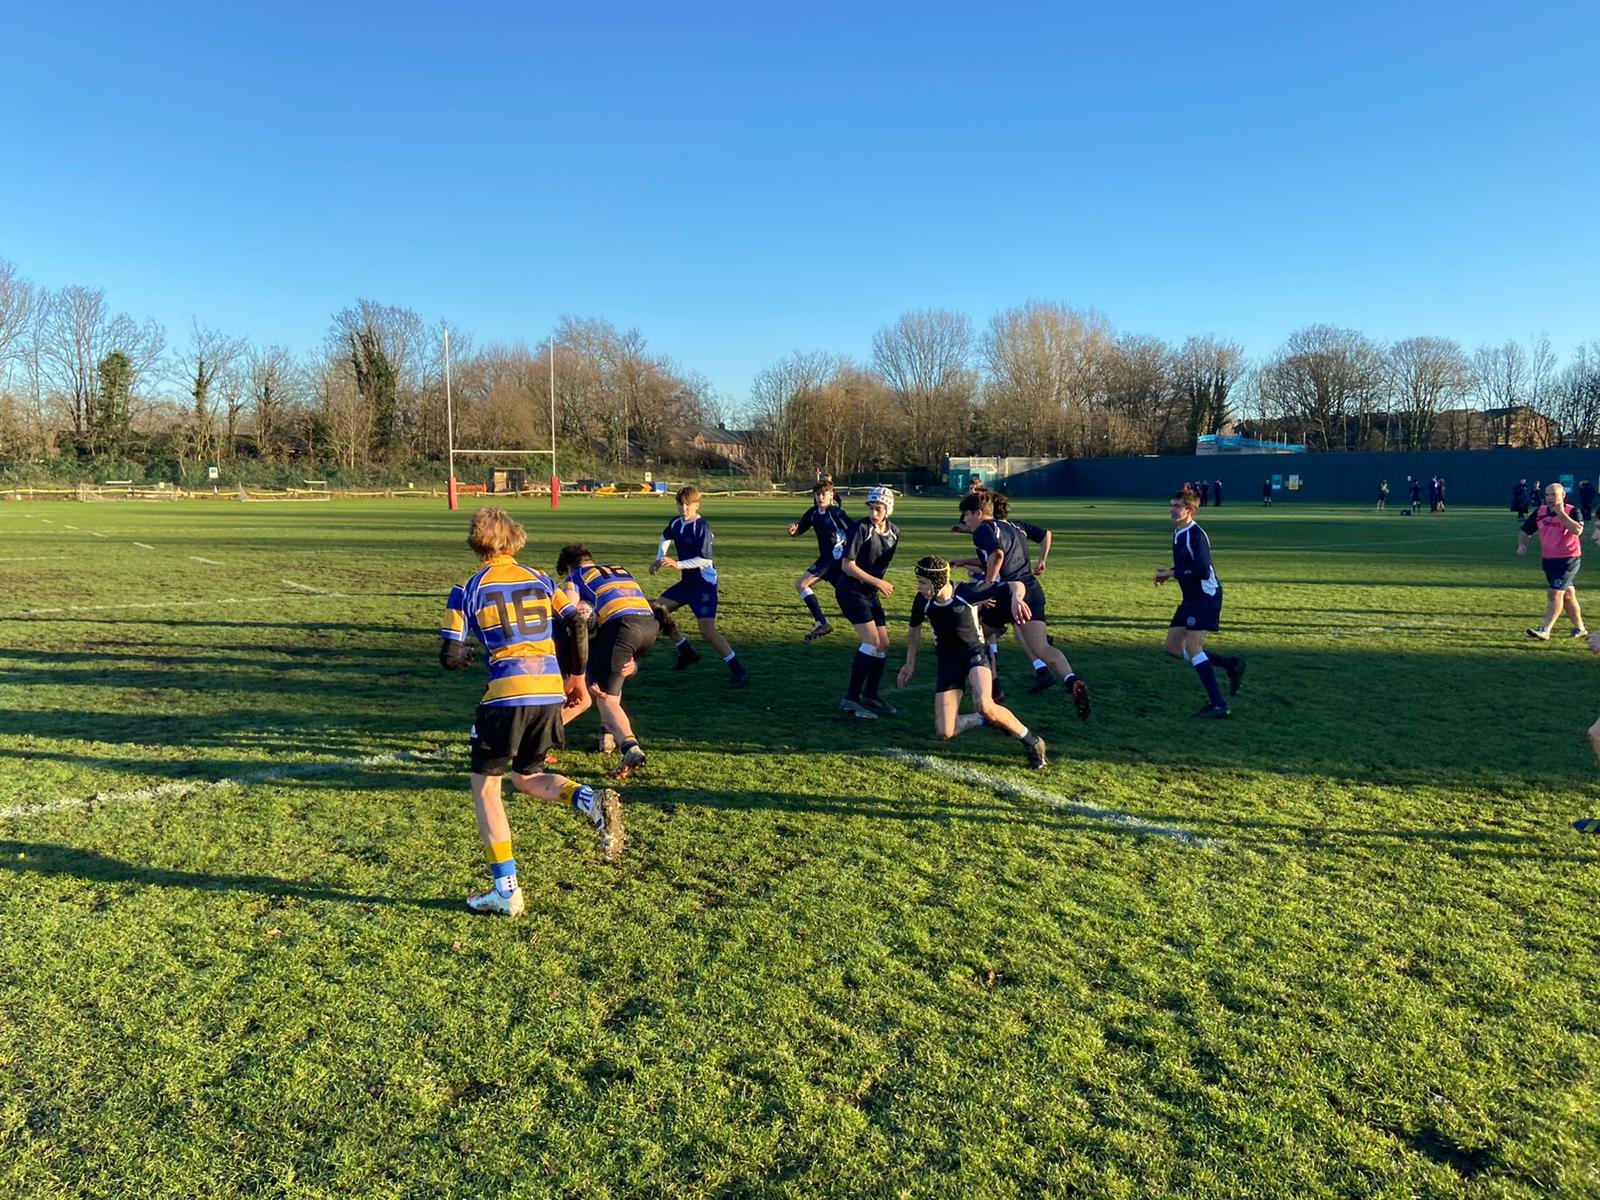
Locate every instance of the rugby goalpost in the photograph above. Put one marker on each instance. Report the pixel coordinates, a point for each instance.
(453, 490)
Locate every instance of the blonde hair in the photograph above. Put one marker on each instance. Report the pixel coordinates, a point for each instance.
(494, 533)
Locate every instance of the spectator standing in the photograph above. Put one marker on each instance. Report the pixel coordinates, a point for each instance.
(1216, 490)
(1383, 493)
(1266, 492)
(1416, 494)
(1519, 499)
(1586, 499)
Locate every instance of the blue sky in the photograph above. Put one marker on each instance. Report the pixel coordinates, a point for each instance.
(740, 181)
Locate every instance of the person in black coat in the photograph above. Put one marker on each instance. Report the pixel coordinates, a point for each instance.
(1519, 499)
(1586, 498)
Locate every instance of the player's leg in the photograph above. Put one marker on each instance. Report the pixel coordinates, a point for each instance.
(992, 622)
(674, 598)
(1035, 638)
(704, 606)
(1194, 650)
(947, 715)
(505, 897)
(997, 716)
(1553, 603)
(1574, 613)
(861, 663)
(494, 730)
(804, 585)
(540, 730)
(879, 639)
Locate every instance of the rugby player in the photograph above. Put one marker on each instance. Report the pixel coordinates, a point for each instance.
(960, 656)
(859, 590)
(626, 626)
(831, 524)
(1003, 554)
(510, 609)
(688, 538)
(1201, 610)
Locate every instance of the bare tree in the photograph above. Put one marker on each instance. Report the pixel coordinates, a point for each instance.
(1323, 384)
(74, 331)
(1500, 385)
(385, 348)
(274, 385)
(777, 399)
(926, 359)
(1045, 365)
(17, 300)
(1205, 371)
(1578, 397)
(207, 368)
(1425, 376)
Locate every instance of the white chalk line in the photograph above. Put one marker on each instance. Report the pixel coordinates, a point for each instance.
(308, 589)
(1027, 791)
(144, 546)
(92, 533)
(179, 789)
(146, 604)
(210, 562)
(33, 558)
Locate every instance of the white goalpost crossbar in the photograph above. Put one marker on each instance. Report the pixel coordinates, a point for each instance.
(450, 431)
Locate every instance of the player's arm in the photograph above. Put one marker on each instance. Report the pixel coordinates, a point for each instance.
(863, 578)
(913, 639)
(796, 528)
(577, 623)
(454, 652)
(1528, 527)
(1573, 525)
(663, 558)
(1044, 550)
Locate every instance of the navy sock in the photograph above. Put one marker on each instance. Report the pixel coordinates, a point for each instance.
(859, 666)
(874, 676)
(815, 607)
(1208, 676)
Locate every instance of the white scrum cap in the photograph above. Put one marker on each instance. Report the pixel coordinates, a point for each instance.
(884, 496)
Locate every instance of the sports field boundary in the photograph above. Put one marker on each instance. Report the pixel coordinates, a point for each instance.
(182, 789)
(946, 769)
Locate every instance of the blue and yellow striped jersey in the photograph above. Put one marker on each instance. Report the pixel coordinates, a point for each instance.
(610, 591)
(511, 609)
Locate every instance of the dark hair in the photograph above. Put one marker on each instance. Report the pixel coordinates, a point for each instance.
(978, 502)
(571, 556)
(1002, 505)
(1187, 497)
(688, 494)
(822, 485)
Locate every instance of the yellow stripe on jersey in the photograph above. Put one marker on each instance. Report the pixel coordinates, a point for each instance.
(622, 606)
(515, 686)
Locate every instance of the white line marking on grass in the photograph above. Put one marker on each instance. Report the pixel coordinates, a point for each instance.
(74, 608)
(179, 789)
(210, 562)
(32, 558)
(308, 589)
(144, 546)
(92, 533)
(1027, 791)
(74, 528)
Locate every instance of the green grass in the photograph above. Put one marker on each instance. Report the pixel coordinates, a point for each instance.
(820, 970)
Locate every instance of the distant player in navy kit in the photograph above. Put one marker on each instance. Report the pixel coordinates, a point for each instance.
(832, 526)
(1003, 554)
(961, 658)
(860, 589)
(1201, 609)
(686, 546)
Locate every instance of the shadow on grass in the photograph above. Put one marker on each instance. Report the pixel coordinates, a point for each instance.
(56, 861)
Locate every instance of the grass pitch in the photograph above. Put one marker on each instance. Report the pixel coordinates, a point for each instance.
(1343, 944)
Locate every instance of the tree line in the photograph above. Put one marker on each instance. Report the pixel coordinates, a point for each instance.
(78, 378)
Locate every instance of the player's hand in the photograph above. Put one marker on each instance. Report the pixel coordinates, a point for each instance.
(885, 587)
(907, 671)
(794, 528)
(670, 564)
(1020, 612)
(574, 696)
(1522, 549)
(1038, 567)
(655, 566)
(1164, 574)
